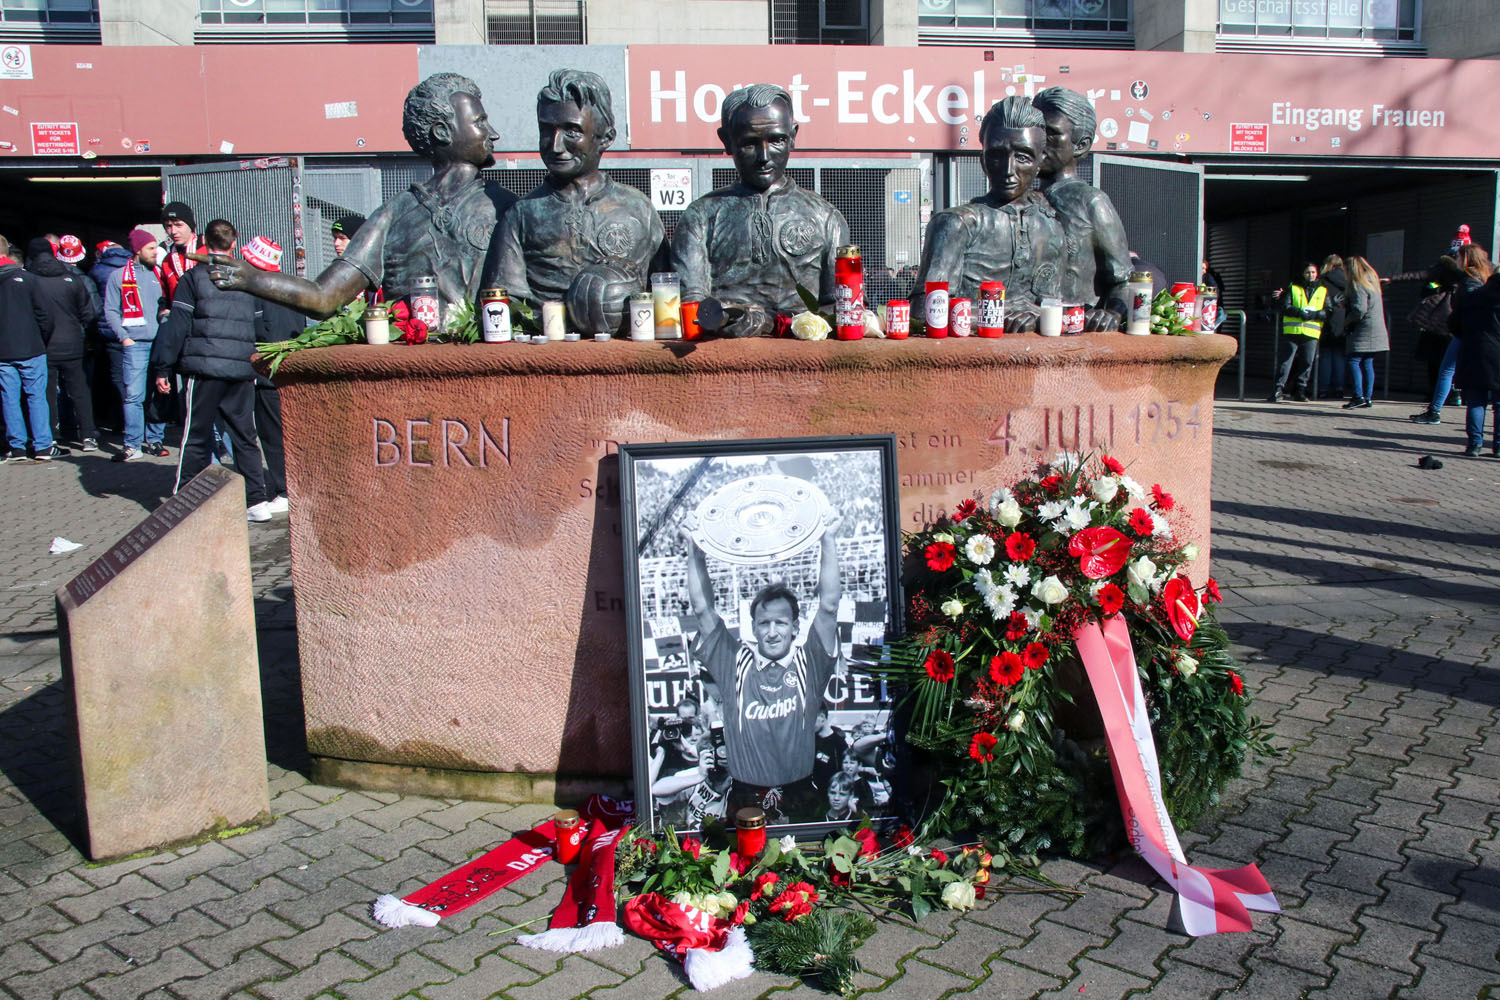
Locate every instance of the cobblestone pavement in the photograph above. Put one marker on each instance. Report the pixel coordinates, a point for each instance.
(1361, 595)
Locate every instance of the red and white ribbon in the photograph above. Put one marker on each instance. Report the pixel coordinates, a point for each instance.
(1211, 900)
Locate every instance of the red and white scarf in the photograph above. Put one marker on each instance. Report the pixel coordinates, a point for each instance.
(176, 265)
(132, 310)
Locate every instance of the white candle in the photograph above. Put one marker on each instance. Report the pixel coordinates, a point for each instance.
(554, 324)
(1050, 324)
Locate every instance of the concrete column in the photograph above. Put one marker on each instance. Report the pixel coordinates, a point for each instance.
(1176, 25)
(147, 22)
(460, 22)
(893, 22)
(1461, 29)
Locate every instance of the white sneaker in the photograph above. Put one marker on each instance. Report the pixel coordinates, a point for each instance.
(280, 505)
(259, 512)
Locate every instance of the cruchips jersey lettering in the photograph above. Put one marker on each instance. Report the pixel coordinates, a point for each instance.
(770, 707)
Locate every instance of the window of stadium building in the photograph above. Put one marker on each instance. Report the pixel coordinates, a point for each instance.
(1375, 20)
(1026, 15)
(534, 22)
(48, 11)
(353, 12)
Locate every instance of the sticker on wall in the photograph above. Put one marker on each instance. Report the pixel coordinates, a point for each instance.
(95, 140)
(10, 110)
(1139, 132)
(5, 144)
(1114, 95)
(144, 146)
(226, 147)
(1148, 116)
(1335, 141)
(83, 65)
(341, 109)
(360, 142)
(127, 142)
(1139, 90)
(1183, 137)
(89, 154)
(1166, 115)
(1109, 128)
(15, 62)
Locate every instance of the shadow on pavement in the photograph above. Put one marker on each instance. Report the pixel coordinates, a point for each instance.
(1303, 520)
(147, 482)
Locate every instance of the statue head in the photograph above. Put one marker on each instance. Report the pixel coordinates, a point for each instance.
(444, 119)
(758, 130)
(1071, 123)
(576, 122)
(1014, 137)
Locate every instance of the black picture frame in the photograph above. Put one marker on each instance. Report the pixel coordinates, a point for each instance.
(757, 722)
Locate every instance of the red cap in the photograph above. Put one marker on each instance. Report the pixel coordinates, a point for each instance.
(70, 249)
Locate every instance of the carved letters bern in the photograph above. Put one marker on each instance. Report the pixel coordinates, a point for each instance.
(444, 443)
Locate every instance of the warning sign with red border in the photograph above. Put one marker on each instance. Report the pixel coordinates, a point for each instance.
(1249, 138)
(54, 138)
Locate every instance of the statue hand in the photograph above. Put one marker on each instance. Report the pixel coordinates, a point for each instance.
(229, 275)
(1022, 320)
(1101, 320)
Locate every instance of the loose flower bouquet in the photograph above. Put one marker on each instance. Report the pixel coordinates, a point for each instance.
(998, 696)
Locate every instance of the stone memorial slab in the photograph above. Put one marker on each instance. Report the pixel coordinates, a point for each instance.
(160, 665)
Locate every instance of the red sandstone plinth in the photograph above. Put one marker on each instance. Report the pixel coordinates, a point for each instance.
(455, 519)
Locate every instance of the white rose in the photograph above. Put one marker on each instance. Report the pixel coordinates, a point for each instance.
(1017, 575)
(1133, 489)
(1140, 572)
(788, 844)
(1186, 665)
(1106, 488)
(953, 607)
(915, 850)
(1189, 552)
(943, 536)
(958, 896)
(1050, 591)
(980, 549)
(1008, 513)
(810, 326)
(1016, 722)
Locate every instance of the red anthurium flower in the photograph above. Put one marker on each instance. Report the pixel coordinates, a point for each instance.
(1112, 464)
(868, 845)
(1235, 684)
(1141, 523)
(940, 556)
(1016, 626)
(1183, 606)
(1162, 499)
(1111, 600)
(1101, 551)
(981, 747)
(1211, 591)
(966, 508)
(1020, 546)
(1006, 669)
(1035, 655)
(940, 665)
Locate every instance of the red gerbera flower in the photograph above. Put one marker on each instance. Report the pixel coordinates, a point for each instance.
(966, 508)
(1019, 546)
(940, 665)
(940, 556)
(1211, 591)
(981, 747)
(1101, 551)
(1016, 626)
(1183, 606)
(1111, 600)
(1161, 499)
(1235, 684)
(1141, 523)
(1112, 464)
(1035, 655)
(1006, 669)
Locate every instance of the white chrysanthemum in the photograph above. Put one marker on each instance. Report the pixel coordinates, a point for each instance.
(980, 550)
(1017, 575)
(1095, 587)
(953, 607)
(983, 582)
(1008, 513)
(998, 498)
(1001, 601)
(1049, 590)
(1106, 488)
(1033, 617)
(1140, 572)
(1133, 489)
(1052, 510)
(1078, 515)
(1159, 527)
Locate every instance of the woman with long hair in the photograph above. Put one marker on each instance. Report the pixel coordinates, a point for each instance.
(1469, 261)
(1365, 331)
(1476, 327)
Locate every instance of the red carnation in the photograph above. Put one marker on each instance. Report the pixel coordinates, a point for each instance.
(1161, 499)
(966, 508)
(1112, 464)
(1035, 655)
(1016, 626)
(940, 665)
(1211, 591)
(738, 916)
(1019, 546)
(413, 331)
(763, 883)
(939, 856)
(1141, 522)
(1111, 600)
(399, 312)
(940, 556)
(1101, 551)
(981, 747)
(1183, 606)
(1006, 669)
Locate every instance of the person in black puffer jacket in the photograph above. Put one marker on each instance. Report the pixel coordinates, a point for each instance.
(209, 338)
(65, 294)
(24, 328)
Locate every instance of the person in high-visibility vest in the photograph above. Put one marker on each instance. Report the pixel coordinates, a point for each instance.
(1303, 309)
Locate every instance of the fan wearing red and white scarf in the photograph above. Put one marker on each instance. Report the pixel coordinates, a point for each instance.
(177, 219)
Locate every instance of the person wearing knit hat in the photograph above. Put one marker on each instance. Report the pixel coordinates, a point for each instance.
(132, 311)
(182, 239)
(273, 321)
(343, 232)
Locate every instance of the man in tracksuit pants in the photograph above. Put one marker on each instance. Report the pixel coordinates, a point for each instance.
(208, 338)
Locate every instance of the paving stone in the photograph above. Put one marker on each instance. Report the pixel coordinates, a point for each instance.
(1054, 948)
(127, 890)
(494, 974)
(147, 945)
(575, 976)
(172, 965)
(1441, 978)
(1097, 980)
(65, 945)
(250, 968)
(243, 905)
(659, 978)
(222, 948)
(1353, 978)
(88, 964)
(1186, 982)
(202, 889)
(1009, 979)
(332, 968)
(411, 973)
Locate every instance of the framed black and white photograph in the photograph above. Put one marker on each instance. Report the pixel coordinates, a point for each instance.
(761, 579)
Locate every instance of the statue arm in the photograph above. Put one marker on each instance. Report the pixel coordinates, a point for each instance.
(942, 258)
(505, 265)
(690, 255)
(1111, 252)
(337, 286)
